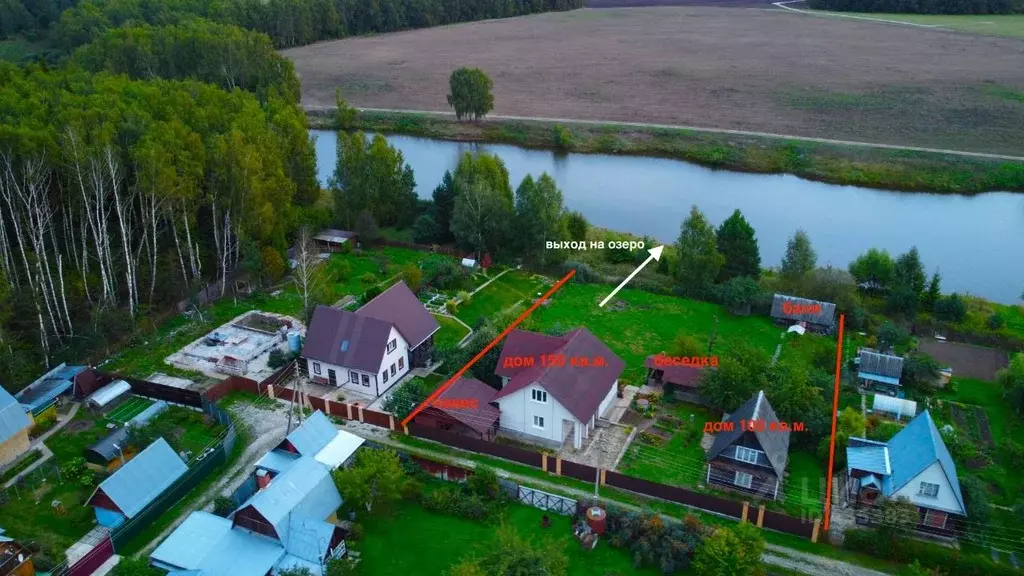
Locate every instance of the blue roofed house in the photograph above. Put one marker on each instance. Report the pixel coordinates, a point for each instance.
(289, 521)
(14, 428)
(40, 397)
(138, 483)
(914, 464)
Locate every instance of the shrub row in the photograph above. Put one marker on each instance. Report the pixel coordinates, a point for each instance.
(931, 556)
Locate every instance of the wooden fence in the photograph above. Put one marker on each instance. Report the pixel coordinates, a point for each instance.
(152, 390)
(446, 250)
(804, 527)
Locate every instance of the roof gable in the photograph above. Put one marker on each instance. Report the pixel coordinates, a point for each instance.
(399, 306)
(12, 416)
(346, 339)
(803, 310)
(579, 389)
(914, 449)
(774, 443)
(305, 489)
(143, 478)
(315, 433)
(682, 375)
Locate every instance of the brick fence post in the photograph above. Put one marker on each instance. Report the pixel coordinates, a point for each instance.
(760, 516)
(746, 507)
(327, 407)
(814, 533)
(348, 409)
(270, 391)
(558, 465)
(406, 429)
(360, 413)
(544, 461)
(391, 422)
(602, 476)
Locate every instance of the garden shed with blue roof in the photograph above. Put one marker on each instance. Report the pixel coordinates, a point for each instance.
(137, 484)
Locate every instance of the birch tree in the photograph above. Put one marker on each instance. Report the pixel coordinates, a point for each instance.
(307, 271)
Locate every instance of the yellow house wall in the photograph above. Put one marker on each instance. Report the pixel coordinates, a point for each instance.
(15, 446)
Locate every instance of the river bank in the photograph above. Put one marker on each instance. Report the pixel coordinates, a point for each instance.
(898, 170)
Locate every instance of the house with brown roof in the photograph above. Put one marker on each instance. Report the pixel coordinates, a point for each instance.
(556, 387)
(466, 407)
(371, 349)
(684, 377)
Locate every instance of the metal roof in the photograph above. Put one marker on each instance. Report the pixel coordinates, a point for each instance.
(277, 461)
(293, 562)
(825, 317)
(774, 443)
(331, 235)
(688, 375)
(480, 418)
(207, 544)
(346, 339)
(917, 447)
(876, 364)
(107, 448)
(315, 433)
(869, 459)
(109, 393)
(41, 393)
(305, 489)
(13, 418)
(898, 406)
(399, 306)
(339, 450)
(144, 477)
(308, 538)
(579, 389)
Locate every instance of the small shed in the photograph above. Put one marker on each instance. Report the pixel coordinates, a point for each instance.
(109, 396)
(331, 240)
(137, 484)
(40, 397)
(811, 314)
(469, 263)
(109, 450)
(879, 371)
(896, 408)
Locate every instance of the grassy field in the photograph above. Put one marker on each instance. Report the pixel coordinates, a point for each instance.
(683, 66)
(415, 541)
(451, 331)
(805, 485)
(499, 295)
(987, 24)
(650, 323)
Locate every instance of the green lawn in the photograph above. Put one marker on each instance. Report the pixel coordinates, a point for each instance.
(415, 541)
(650, 324)
(805, 484)
(499, 295)
(185, 430)
(680, 459)
(988, 24)
(451, 331)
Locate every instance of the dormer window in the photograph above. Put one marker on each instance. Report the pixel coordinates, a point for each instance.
(748, 455)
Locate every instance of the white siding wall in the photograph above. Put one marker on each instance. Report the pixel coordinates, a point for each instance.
(518, 410)
(606, 404)
(401, 351)
(343, 376)
(933, 474)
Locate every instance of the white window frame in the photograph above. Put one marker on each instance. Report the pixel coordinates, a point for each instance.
(746, 452)
(393, 370)
(540, 420)
(392, 345)
(401, 363)
(316, 368)
(539, 396)
(353, 377)
(926, 489)
(384, 375)
(741, 475)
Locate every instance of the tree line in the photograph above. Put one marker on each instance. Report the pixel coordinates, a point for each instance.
(287, 22)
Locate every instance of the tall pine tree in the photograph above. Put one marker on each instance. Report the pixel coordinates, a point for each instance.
(738, 244)
(699, 261)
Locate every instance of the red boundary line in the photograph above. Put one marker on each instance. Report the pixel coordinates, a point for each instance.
(440, 390)
(835, 411)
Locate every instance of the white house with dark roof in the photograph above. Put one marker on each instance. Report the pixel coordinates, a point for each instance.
(555, 402)
(914, 464)
(369, 350)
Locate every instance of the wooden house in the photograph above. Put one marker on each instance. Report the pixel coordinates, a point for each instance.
(750, 458)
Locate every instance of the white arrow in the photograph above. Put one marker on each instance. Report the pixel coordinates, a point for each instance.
(655, 255)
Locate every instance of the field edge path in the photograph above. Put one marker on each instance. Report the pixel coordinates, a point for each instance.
(984, 155)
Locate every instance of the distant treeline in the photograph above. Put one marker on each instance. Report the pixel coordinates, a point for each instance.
(922, 6)
(287, 22)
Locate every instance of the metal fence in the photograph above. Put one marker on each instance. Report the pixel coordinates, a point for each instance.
(545, 501)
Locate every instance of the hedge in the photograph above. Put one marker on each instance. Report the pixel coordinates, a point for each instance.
(931, 556)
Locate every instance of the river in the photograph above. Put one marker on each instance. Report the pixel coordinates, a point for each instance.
(976, 243)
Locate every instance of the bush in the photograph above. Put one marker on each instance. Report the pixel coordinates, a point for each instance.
(371, 293)
(278, 358)
(222, 506)
(451, 307)
(368, 278)
(412, 489)
(951, 308)
(931, 556)
(484, 483)
(464, 296)
(562, 137)
(454, 501)
(584, 274)
(355, 532)
(996, 321)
